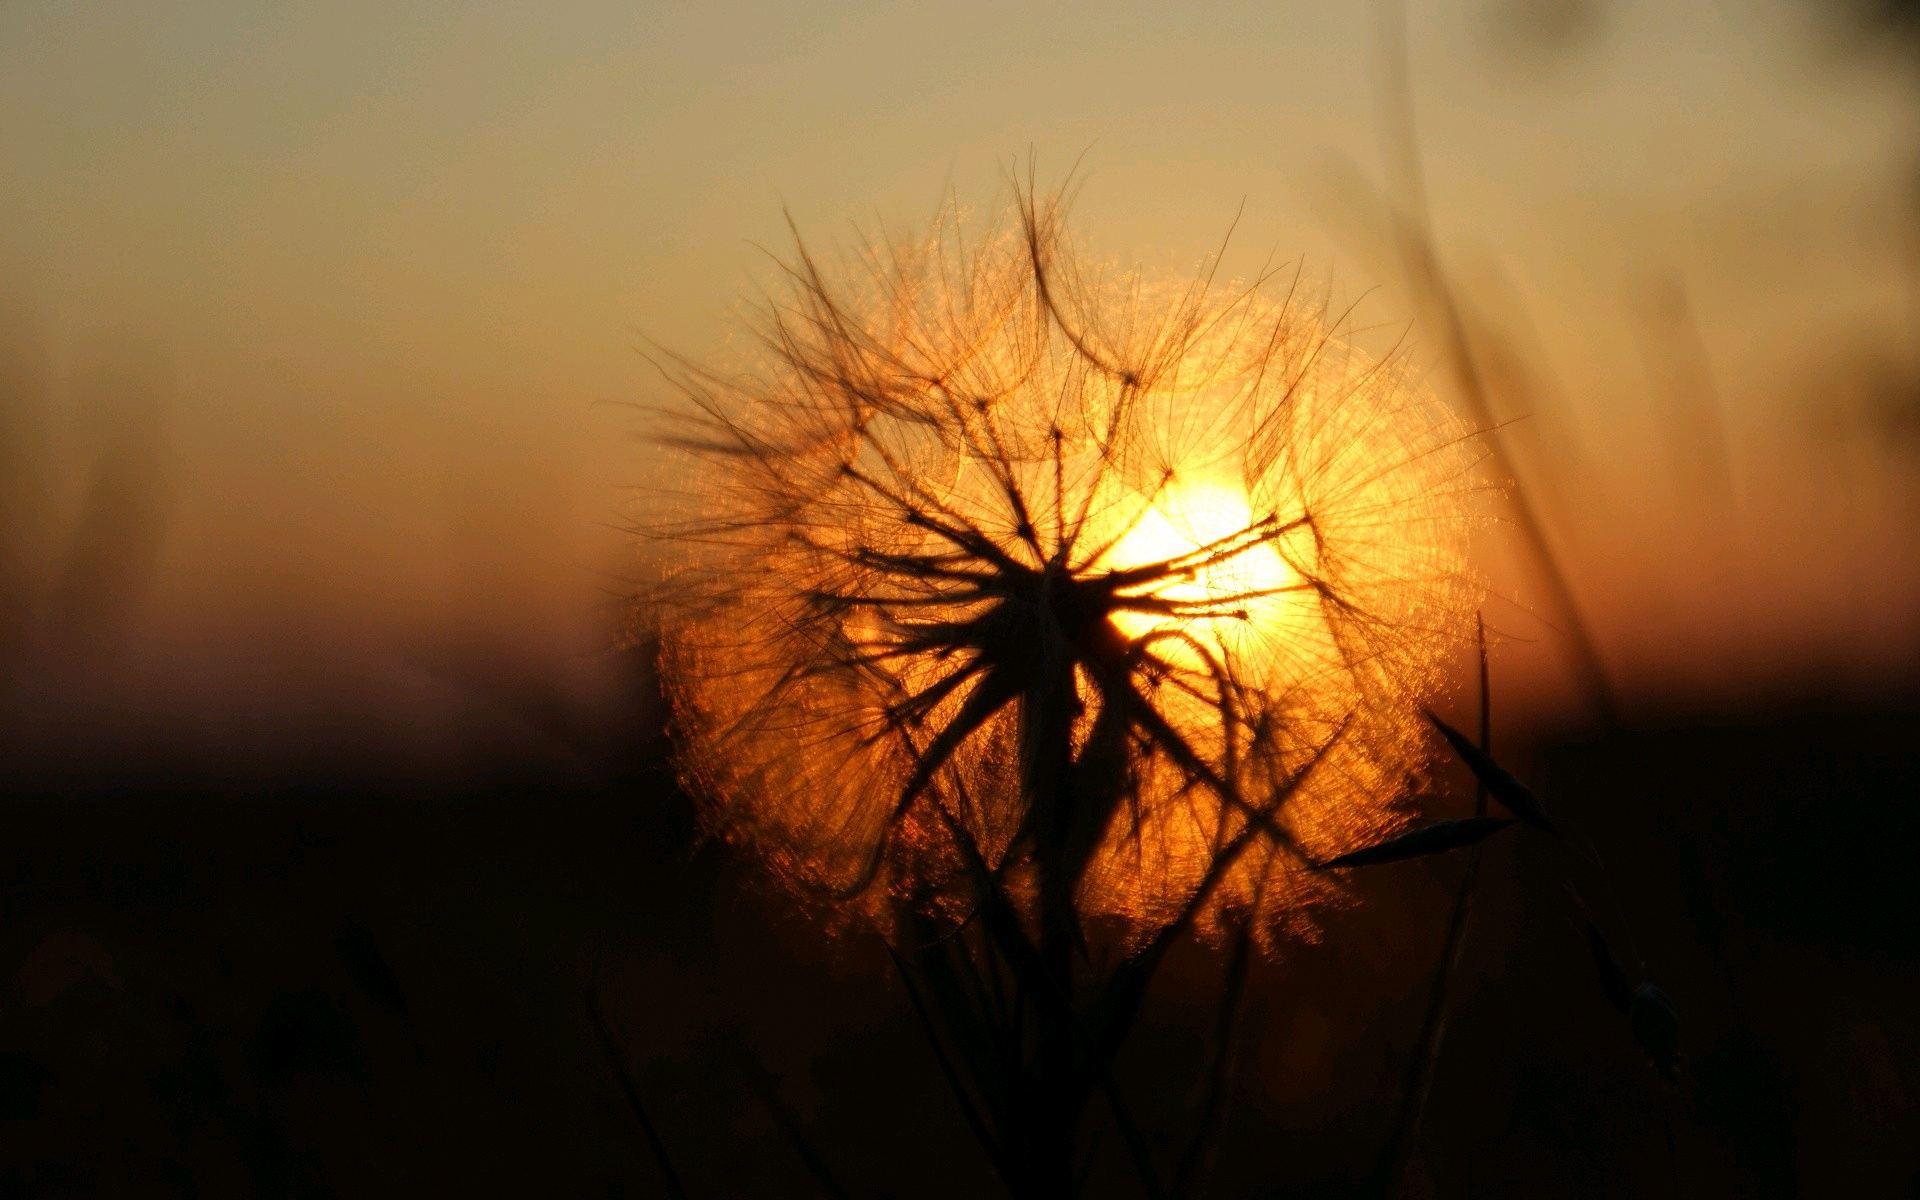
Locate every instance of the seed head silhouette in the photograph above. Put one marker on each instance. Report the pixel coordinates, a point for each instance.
(994, 565)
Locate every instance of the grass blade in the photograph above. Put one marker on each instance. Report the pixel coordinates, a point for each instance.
(1513, 795)
(1438, 837)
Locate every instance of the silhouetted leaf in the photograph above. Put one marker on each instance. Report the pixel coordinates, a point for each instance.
(1437, 838)
(1513, 795)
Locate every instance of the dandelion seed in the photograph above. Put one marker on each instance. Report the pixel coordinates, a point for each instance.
(1127, 594)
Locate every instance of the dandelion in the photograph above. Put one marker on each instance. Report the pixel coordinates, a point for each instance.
(1118, 599)
(1039, 615)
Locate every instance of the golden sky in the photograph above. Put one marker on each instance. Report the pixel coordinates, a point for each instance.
(367, 272)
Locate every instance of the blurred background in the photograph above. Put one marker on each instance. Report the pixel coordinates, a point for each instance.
(335, 785)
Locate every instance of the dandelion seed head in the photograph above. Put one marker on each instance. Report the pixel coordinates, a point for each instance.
(990, 561)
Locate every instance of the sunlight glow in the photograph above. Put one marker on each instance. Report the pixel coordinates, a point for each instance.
(1236, 595)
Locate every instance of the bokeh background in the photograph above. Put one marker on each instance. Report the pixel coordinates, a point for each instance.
(335, 784)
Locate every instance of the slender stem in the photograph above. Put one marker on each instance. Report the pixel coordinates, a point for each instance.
(1047, 769)
(975, 1121)
(1415, 226)
(803, 1147)
(631, 1091)
(1131, 1137)
(1220, 1074)
(1433, 1026)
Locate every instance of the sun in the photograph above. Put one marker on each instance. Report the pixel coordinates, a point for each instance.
(1237, 595)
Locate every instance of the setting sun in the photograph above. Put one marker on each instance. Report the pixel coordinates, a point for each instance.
(1239, 583)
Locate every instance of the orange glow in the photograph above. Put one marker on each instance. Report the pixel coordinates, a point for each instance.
(1236, 592)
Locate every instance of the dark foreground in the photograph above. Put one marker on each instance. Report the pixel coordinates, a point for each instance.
(349, 972)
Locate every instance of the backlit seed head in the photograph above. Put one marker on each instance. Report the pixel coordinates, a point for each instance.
(989, 566)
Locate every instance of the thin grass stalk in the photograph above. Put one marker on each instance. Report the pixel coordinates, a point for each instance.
(1131, 1137)
(631, 1091)
(809, 1155)
(1220, 1074)
(969, 1110)
(1414, 224)
(1433, 1026)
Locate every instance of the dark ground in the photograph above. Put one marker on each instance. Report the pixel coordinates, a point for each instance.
(344, 973)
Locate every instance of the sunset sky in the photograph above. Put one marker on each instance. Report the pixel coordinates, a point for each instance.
(510, 685)
(361, 278)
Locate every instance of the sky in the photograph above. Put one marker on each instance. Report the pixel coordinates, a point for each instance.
(364, 286)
